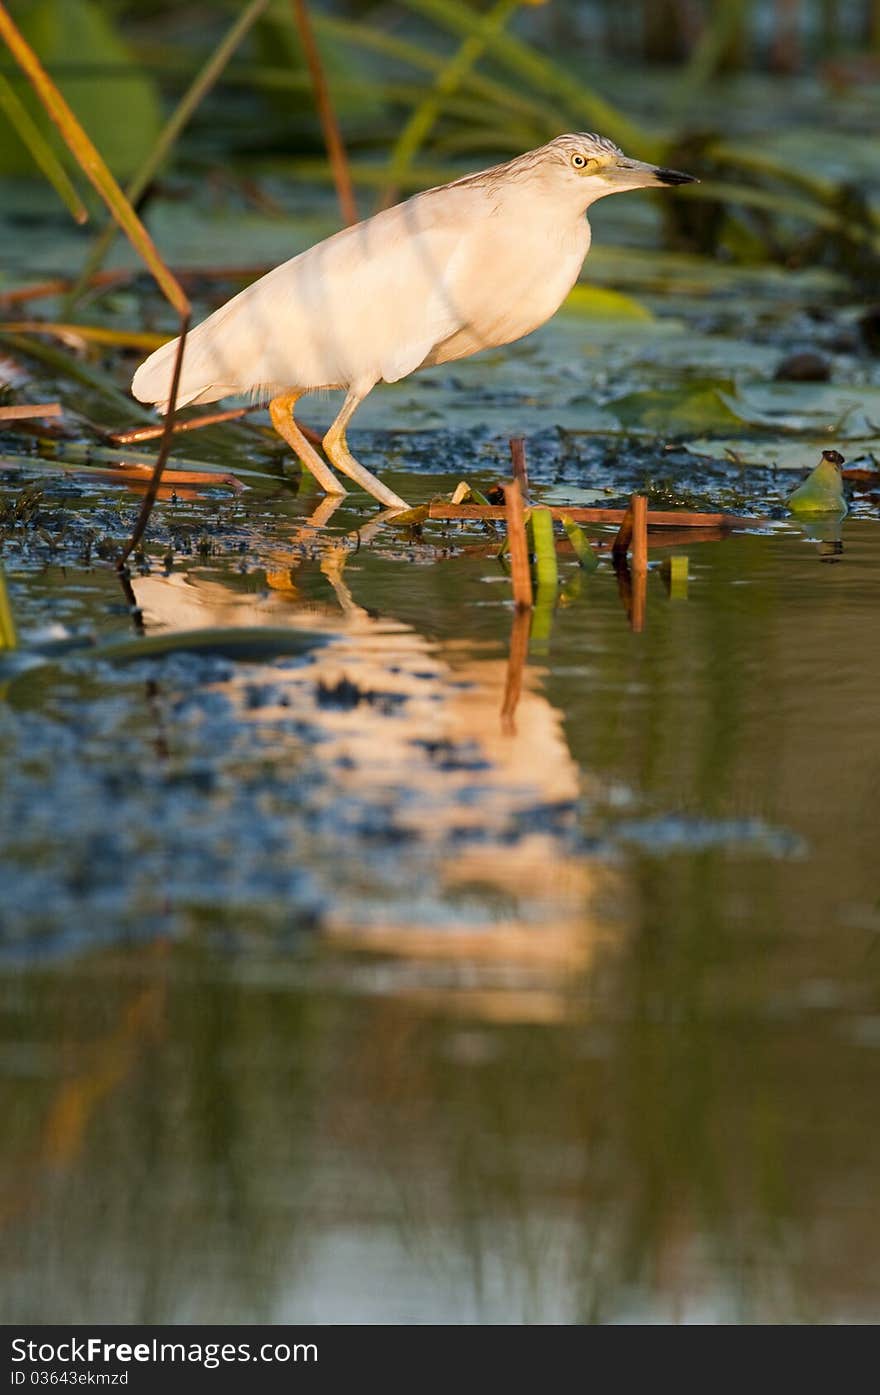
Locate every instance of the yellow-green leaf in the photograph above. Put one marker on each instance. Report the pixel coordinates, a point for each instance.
(821, 491)
(584, 552)
(597, 302)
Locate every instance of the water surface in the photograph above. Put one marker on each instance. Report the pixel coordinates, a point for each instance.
(330, 993)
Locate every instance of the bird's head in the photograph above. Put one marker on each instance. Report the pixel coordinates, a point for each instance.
(593, 166)
(833, 457)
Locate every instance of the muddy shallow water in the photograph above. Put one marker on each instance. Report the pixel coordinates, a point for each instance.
(328, 993)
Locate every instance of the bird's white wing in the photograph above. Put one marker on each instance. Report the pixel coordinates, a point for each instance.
(369, 303)
(376, 298)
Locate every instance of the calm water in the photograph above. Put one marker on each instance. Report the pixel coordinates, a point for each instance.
(329, 994)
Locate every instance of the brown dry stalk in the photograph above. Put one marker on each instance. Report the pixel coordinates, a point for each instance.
(518, 460)
(59, 284)
(657, 518)
(520, 573)
(856, 473)
(639, 604)
(639, 506)
(140, 473)
(27, 411)
(329, 124)
(149, 433)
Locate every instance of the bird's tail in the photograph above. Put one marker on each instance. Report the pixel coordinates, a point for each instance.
(201, 377)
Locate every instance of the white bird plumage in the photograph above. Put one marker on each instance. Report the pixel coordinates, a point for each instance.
(466, 266)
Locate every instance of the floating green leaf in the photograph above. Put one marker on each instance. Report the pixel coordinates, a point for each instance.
(821, 491)
(585, 554)
(702, 405)
(234, 642)
(598, 302)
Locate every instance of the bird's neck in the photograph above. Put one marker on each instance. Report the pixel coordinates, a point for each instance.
(565, 227)
(572, 237)
(586, 233)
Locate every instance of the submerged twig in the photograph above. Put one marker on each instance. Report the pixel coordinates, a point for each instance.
(639, 600)
(165, 443)
(516, 661)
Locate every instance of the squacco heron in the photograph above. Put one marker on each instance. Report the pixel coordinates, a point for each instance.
(467, 266)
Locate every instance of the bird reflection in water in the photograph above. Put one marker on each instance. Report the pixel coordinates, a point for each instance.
(452, 845)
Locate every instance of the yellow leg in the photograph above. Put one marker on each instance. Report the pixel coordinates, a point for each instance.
(336, 446)
(321, 516)
(283, 576)
(334, 559)
(281, 412)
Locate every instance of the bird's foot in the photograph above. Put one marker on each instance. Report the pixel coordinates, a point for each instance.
(334, 444)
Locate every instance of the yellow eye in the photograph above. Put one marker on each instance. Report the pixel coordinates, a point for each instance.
(578, 161)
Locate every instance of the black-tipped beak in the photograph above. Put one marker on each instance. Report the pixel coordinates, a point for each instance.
(674, 177)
